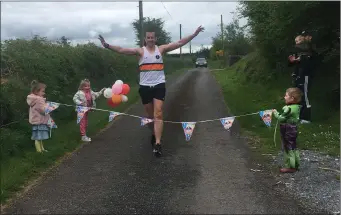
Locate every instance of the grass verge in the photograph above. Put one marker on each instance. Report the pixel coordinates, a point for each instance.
(243, 96)
(18, 172)
(215, 64)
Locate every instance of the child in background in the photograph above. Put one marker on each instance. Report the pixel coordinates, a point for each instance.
(85, 97)
(288, 128)
(37, 117)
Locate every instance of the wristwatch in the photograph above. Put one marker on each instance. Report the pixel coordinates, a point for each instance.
(106, 45)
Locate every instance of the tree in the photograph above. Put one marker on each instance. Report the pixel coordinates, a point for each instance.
(203, 52)
(235, 40)
(274, 26)
(64, 41)
(155, 25)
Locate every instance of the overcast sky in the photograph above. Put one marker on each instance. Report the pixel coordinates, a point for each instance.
(83, 21)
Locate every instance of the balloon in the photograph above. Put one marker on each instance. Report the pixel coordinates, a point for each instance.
(119, 82)
(124, 98)
(107, 93)
(116, 89)
(109, 102)
(125, 89)
(116, 99)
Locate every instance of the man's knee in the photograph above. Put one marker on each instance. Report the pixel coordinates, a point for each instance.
(149, 110)
(158, 114)
(158, 106)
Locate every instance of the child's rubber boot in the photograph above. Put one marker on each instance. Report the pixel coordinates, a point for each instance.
(42, 146)
(38, 147)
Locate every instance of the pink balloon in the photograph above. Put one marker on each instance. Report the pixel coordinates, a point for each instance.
(116, 89)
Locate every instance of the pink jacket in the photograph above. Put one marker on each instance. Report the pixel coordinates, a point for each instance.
(37, 110)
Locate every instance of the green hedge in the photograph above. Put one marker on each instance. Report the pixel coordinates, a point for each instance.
(60, 67)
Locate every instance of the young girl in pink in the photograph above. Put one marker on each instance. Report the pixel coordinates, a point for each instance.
(85, 97)
(37, 117)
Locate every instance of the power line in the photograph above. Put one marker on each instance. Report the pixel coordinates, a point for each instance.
(169, 13)
(166, 10)
(181, 28)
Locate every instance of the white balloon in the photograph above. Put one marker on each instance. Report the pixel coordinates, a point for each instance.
(124, 98)
(119, 82)
(107, 93)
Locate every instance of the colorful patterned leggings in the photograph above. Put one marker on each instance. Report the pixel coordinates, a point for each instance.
(289, 136)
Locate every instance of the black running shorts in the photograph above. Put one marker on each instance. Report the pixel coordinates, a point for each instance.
(148, 93)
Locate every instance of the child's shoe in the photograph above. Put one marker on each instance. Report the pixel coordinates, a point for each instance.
(304, 121)
(86, 139)
(287, 170)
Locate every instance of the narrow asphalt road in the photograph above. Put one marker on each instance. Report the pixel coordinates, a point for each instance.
(117, 172)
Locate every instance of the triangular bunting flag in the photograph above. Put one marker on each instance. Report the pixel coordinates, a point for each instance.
(51, 106)
(51, 124)
(112, 115)
(266, 116)
(188, 129)
(145, 121)
(227, 122)
(81, 110)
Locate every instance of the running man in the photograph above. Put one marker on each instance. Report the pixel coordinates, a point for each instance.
(152, 78)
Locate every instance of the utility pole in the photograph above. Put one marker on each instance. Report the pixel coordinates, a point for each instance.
(180, 39)
(141, 23)
(190, 47)
(222, 31)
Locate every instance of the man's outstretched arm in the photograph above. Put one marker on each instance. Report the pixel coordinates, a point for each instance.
(127, 51)
(120, 50)
(172, 46)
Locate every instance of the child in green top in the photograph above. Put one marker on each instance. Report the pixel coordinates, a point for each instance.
(288, 127)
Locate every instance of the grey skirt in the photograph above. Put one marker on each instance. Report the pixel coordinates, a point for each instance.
(40, 132)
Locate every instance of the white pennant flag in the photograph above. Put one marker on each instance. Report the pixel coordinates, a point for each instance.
(145, 121)
(266, 116)
(227, 122)
(51, 124)
(50, 106)
(81, 110)
(188, 128)
(112, 115)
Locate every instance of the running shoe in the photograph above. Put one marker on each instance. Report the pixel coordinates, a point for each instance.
(157, 150)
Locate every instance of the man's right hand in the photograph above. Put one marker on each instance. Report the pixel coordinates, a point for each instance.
(293, 59)
(290, 58)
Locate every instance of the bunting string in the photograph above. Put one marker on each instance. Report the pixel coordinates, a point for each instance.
(167, 121)
(188, 127)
